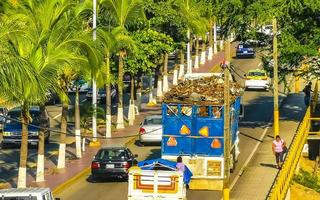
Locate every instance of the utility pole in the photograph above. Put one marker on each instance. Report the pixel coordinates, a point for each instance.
(94, 83)
(226, 107)
(275, 78)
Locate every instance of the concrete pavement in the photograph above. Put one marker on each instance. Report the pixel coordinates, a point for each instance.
(257, 178)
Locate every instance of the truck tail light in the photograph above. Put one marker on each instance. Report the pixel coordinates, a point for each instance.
(142, 131)
(126, 165)
(95, 165)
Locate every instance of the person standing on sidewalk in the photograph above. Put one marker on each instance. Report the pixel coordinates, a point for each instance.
(307, 94)
(278, 148)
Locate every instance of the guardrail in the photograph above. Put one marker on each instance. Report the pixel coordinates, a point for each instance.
(282, 182)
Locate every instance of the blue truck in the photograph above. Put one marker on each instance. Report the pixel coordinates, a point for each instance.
(193, 128)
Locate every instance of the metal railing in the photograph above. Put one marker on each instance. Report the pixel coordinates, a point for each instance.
(282, 182)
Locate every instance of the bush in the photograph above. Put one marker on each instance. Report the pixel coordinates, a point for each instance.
(306, 179)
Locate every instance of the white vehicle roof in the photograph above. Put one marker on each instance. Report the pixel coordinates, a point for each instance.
(23, 192)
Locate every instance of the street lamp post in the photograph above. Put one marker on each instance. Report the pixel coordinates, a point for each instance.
(275, 78)
(94, 83)
(226, 107)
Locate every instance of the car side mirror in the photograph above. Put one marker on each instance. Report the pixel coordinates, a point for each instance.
(136, 155)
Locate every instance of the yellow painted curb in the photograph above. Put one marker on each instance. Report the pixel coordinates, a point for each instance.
(63, 185)
(94, 144)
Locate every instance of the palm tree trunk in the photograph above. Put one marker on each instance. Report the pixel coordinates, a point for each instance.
(120, 122)
(181, 69)
(203, 52)
(210, 53)
(63, 130)
(22, 176)
(131, 115)
(215, 44)
(196, 61)
(189, 63)
(139, 92)
(40, 161)
(165, 73)
(108, 97)
(77, 124)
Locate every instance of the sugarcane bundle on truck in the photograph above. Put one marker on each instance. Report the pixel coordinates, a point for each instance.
(193, 128)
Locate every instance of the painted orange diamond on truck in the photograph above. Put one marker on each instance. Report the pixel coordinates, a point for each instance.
(204, 131)
(185, 130)
(172, 142)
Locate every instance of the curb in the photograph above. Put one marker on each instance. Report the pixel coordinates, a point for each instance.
(63, 185)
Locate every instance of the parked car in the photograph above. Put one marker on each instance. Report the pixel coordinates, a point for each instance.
(257, 79)
(26, 194)
(3, 114)
(151, 129)
(112, 162)
(244, 50)
(12, 128)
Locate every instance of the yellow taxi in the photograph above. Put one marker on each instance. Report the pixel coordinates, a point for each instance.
(257, 79)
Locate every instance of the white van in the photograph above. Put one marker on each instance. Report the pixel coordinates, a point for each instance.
(26, 194)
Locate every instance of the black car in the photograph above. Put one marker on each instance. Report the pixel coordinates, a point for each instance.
(112, 162)
(12, 128)
(244, 50)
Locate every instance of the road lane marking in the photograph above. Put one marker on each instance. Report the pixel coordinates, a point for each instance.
(249, 158)
(260, 64)
(58, 115)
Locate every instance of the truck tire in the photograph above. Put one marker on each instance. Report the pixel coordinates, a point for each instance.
(233, 160)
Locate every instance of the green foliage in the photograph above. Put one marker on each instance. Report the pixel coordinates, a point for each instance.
(163, 17)
(306, 179)
(151, 45)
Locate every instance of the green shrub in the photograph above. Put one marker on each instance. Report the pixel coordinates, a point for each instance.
(306, 179)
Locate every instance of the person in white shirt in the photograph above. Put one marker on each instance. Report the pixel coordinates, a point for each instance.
(278, 148)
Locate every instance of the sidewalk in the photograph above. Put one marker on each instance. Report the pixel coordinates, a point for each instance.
(257, 178)
(75, 167)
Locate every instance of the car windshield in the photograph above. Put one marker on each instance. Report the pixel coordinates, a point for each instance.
(112, 154)
(257, 73)
(16, 115)
(152, 121)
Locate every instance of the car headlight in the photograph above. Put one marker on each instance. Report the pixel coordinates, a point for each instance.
(33, 133)
(7, 134)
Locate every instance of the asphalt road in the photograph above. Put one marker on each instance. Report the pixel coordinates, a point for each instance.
(258, 111)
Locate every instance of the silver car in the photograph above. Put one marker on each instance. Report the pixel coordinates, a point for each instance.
(151, 129)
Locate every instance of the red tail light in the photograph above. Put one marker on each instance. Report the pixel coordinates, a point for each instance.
(95, 165)
(142, 131)
(126, 165)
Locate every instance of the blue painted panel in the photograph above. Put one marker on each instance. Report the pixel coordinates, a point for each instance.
(183, 146)
(202, 146)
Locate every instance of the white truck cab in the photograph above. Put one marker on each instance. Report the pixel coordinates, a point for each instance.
(26, 194)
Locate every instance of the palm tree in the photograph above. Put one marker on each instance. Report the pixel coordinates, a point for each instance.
(191, 10)
(24, 77)
(123, 12)
(107, 39)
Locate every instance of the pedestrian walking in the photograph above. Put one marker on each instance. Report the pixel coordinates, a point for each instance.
(307, 94)
(279, 148)
(180, 166)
